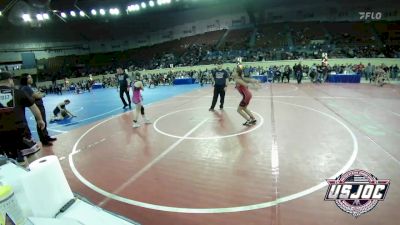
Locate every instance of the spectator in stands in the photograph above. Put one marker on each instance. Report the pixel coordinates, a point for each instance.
(26, 82)
(123, 81)
(12, 124)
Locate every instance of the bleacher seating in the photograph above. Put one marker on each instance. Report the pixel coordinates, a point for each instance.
(238, 39)
(350, 34)
(304, 33)
(271, 36)
(341, 39)
(388, 32)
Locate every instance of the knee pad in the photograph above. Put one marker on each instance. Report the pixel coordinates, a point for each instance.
(142, 110)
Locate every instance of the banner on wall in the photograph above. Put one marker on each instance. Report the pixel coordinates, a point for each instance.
(28, 60)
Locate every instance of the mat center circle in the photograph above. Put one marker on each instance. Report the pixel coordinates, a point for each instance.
(157, 127)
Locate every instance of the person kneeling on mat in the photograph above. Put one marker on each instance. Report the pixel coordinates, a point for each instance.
(61, 112)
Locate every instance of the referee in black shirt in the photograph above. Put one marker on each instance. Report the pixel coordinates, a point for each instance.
(220, 82)
(123, 81)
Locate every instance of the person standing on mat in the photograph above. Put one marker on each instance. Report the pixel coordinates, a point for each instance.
(220, 82)
(123, 81)
(242, 85)
(298, 72)
(26, 82)
(137, 87)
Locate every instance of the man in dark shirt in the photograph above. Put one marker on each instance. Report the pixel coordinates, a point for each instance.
(12, 124)
(123, 81)
(286, 73)
(220, 82)
(25, 85)
(395, 71)
(298, 72)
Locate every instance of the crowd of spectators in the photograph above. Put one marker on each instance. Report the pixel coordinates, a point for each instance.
(309, 41)
(275, 73)
(203, 55)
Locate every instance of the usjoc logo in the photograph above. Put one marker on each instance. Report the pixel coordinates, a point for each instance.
(356, 191)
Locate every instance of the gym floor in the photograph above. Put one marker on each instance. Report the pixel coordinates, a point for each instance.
(192, 166)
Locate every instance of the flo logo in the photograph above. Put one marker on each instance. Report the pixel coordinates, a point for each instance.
(370, 15)
(356, 191)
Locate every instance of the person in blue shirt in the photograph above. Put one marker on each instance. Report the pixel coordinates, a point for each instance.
(220, 82)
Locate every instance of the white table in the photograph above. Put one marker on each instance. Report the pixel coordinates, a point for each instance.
(79, 213)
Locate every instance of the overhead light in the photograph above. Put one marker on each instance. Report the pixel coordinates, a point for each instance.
(143, 5)
(72, 13)
(1, 13)
(151, 3)
(102, 12)
(63, 15)
(82, 13)
(163, 2)
(94, 12)
(39, 17)
(114, 11)
(45, 16)
(26, 17)
(133, 8)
